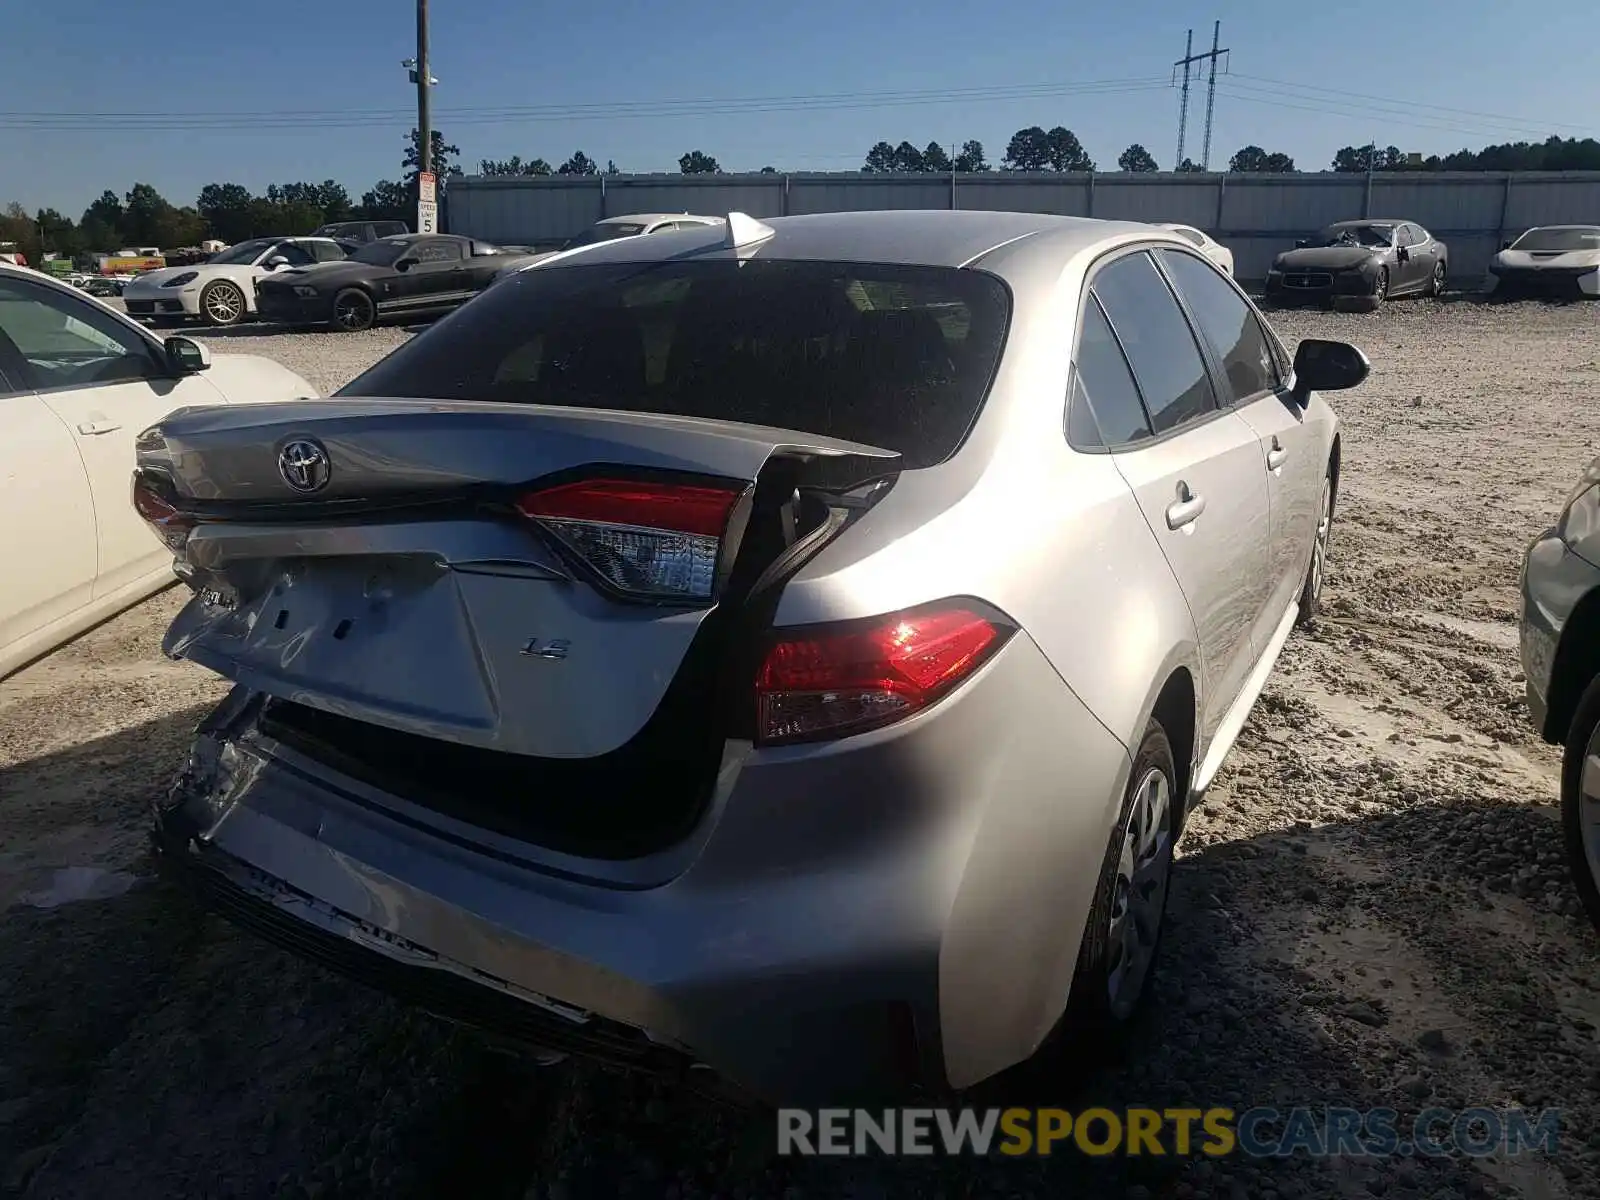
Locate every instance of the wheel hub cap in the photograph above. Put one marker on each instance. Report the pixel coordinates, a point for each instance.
(1319, 548)
(1141, 891)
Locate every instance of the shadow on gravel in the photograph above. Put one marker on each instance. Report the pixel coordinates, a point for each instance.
(1250, 1010)
(149, 1051)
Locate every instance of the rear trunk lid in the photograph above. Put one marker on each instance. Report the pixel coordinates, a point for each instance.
(382, 560)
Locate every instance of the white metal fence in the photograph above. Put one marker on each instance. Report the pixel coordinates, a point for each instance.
(1254, 215)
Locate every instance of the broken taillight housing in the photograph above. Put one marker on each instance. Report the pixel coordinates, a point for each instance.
(171, 526)
(646, 540)
(828, 681)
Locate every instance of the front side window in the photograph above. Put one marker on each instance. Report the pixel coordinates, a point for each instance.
(295, 252)
(895, 357)
(437, 250)
(1160, 345)
(327, 251)
(66, 344)
(1228, 324)
(1105, 408)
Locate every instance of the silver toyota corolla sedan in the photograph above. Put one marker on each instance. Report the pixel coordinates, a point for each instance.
(1561, 662)
(778, 654)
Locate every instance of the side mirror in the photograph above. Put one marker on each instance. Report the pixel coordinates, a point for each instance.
(1321, 366)
(1403, 254)
(405, 264)
(276, 261)
(1506, 245)
(1302, 243)
(186, 356)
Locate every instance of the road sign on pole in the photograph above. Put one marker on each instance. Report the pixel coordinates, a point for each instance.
(427, 203)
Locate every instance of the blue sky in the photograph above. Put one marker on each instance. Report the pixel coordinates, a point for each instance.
(315, 90)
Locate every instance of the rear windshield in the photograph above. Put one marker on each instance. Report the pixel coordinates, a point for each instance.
(892, 356)
(1559, 240)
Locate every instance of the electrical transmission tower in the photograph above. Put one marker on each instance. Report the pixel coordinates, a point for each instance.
(1189, 59)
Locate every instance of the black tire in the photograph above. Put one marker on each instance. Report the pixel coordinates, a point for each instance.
(1380, 291)
(1437, 279)
(1582, 735)
(222, 303)
(1098, 1013)
(353, 311)
(1317, 568)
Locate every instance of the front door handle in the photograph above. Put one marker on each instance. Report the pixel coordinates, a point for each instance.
(96, 428)
(1185, 508)
(1276, 456)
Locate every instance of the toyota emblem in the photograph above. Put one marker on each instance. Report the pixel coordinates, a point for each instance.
(304, 465)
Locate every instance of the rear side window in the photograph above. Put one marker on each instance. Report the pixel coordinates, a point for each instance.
(892, 356)
(1227, 323)
(327, 251)
(437, 250)
(1105, 410)
(1159, 343)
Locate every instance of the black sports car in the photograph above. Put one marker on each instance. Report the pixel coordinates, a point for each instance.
(1366, 262)
(414, 275)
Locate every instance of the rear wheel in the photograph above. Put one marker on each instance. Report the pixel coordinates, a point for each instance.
(1580, 800)
(1123, 934)
(353, 311)
(1436, 283)
(221, 303)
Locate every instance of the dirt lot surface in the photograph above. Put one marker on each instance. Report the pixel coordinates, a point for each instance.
(1370, 911)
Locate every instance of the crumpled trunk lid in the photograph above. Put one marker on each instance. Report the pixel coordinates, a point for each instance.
(364, 558)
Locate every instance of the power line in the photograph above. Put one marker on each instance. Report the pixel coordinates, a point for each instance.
(1364, 112)
(348, 118)
(1499, 118)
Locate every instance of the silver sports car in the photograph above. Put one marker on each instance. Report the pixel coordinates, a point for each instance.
(780, 655)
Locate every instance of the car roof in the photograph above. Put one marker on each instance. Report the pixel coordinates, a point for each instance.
(1365, 221)
(1531, 228)
(652, 218)
(926, 237)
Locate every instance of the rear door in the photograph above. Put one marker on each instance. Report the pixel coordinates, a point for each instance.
(105, 383)
(437, 278)
(1198, 477)
(1294, 448)
(48, 537)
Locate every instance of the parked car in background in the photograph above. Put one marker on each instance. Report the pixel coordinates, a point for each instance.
(78, 382)
(414, 275)
(1561, 663)
(633, 663)
(221, 291)
(1360, 262)
(102, 285)
(1207, 245)
(362, 231)
(1548, 260)
(633, 225)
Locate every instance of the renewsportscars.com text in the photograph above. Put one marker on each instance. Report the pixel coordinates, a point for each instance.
(1214, 1132)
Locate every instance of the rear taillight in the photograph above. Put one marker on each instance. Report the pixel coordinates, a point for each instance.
(171, 526)
(646, 540)
(832, 680)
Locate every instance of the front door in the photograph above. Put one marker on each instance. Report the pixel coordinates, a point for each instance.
(105, 383)
(435, 280)
(1292, 456)
(1198, 479)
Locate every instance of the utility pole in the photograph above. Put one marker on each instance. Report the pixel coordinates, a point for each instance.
(1183, 111)
(1189, 59)
(427, 194)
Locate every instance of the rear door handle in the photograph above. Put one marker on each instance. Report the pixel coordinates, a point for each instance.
(1276, 456)
(95, 428)
(1185, 508)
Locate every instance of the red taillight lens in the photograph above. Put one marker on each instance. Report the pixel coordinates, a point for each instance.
(171, 526)
(831, 682)
(656, 541)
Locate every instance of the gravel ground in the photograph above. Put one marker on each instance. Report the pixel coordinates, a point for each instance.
(1370, 911)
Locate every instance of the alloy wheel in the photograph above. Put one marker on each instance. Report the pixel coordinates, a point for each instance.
(224, 304)
(1139, 900)
(352, 311)
(1319, 548)
(1589, 804)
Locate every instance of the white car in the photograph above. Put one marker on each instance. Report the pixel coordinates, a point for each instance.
(1550, 260)
(78, 382)
(612, 228)
(222, 290)
(1209, 246)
